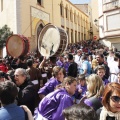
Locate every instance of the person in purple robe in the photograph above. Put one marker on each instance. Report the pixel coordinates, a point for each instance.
(62, 62)
(58, 74)
(81, 88)
(95, 89)
(52, 105)
(101, 72)
(66, 65)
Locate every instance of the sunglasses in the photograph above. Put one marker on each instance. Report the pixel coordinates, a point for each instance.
(115, 98)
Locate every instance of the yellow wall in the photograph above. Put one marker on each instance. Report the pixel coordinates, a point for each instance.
(31, 13)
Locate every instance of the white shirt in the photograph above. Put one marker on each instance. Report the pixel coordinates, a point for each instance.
(77, 59)
(110, 59)
(115, 70)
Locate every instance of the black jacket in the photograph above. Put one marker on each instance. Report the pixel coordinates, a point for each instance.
(72, 70)
(26, 95)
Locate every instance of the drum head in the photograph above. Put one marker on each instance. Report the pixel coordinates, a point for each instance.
(49, 40)
(15, 46)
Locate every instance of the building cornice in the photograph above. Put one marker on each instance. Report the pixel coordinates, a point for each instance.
(110, 36)
(111, 10)
(76, 8)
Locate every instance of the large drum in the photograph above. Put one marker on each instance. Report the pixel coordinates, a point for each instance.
(52, 41)
(17, 45)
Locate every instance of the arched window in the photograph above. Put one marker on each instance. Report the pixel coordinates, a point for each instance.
(40, 27)
(61, 12)
(61, 9)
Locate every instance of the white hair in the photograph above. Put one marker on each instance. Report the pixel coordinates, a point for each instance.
(21, 71)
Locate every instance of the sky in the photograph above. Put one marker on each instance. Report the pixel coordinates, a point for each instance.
(79, 1)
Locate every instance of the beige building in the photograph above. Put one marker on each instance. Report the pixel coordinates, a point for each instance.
(86, 8)
(91, 9)
(27, 17)
(109, 22)
(95, 18)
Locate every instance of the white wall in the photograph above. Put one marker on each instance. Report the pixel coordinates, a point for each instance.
(8, 15)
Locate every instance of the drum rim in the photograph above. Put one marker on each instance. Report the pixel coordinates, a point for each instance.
(23, 45)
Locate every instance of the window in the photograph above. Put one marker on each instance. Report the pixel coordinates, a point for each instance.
(84, 36)
(81, 36)
(40, 2)
(78, 36)
(75, 36)
(71, 15)
(81, 20)
(75, 18)
(40, 27)
(61, 10)
(71, 36)
(78, 20)
(66, 12)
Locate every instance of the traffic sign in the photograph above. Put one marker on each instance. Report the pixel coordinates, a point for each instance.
(95, 37)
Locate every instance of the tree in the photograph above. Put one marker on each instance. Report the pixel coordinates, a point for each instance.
(4, 34)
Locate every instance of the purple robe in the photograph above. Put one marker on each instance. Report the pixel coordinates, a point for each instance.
(59, 63)
(105, 82)
(65, 65)
(49, 86)
(53, 104)
(94, 102)
(80, 95)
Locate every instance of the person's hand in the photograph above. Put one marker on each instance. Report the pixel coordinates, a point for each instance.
(80, 91)
(29, 114)
(25, 108)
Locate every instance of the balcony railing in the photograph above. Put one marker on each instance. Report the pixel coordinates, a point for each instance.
(111, 5)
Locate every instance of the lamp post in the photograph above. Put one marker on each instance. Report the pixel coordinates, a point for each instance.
(99, 26)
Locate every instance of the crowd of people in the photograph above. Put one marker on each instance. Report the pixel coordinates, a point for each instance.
(83, 83)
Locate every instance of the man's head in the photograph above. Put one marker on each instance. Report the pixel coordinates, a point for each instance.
(70, 57)
(110, 51)
(101, 70)
(79, 52)
(8, 92)
(100, 58)
(30, 62)
(82, 79)
(53, 60)
(61, 58)
(20, 76)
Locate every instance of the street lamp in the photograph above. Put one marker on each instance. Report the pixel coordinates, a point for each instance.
(96, 23)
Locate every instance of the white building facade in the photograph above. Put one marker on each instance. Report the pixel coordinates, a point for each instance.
(109, 23)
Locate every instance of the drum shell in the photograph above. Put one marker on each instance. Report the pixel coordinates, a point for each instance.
(17, 45)
(63, 40)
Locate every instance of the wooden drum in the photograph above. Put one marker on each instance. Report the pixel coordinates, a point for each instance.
(52, 41)
(17, 45)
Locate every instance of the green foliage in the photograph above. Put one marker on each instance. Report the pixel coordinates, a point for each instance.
(4, 34)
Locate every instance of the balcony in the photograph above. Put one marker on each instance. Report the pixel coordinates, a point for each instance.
(111, 5)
